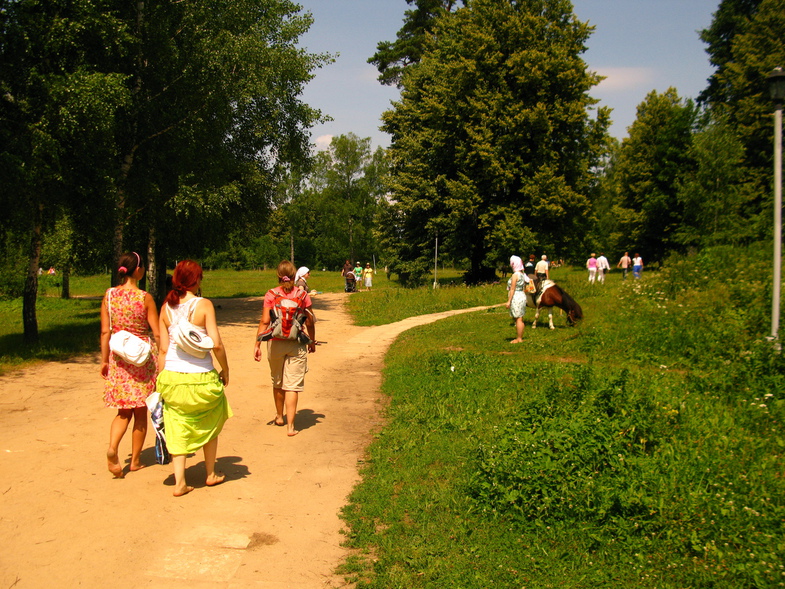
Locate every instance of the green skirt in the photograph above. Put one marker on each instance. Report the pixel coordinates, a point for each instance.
(195, 409)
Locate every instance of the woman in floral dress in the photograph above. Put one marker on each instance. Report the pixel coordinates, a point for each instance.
(127, 386)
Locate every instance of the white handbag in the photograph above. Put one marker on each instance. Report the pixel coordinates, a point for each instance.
(125, 344)
(189, 337)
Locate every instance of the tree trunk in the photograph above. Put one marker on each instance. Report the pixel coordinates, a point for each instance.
(478, 272)
(119, 230)
(128, 161)
(65, 293)
(351, 241)
(153, 270)
(30, 292)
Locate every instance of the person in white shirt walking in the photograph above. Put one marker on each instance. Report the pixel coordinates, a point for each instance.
(637, 266)
(602, 267)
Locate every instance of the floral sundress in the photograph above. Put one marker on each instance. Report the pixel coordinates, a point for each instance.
(518, 302)
(127, 386)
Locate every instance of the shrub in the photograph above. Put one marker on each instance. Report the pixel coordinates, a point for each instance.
(572, 454)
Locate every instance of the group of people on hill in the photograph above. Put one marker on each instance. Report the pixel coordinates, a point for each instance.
(598, 266)
(195, 406)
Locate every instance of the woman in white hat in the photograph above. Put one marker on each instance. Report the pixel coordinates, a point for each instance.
(301, 278)
(516, 296)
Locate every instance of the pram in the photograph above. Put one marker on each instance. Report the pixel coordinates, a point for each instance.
(351, 282)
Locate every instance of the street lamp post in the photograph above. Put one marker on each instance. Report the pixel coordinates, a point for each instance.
(777, 90)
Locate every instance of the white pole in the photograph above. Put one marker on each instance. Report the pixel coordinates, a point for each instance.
(436, 263)
(775, 302)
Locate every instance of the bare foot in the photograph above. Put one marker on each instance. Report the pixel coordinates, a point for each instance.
(183, 492)
(215, 479)
(114, 464)
(294, 432)
(517, 341)
(276, 421)
(136, 466)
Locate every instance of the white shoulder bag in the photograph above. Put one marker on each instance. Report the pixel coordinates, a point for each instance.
(125, 344)
(188, 336)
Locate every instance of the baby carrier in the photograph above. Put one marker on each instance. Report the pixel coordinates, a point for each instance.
(287, 318)
(351, 282)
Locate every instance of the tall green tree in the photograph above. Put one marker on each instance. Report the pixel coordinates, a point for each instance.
(650, 164)
(216, 121)
(56, 112)
(493, 139)
(392, 57)
(331, 213)
(729, 20)
(713, 197)
(167, 122)
(738, 91)
(607, 235)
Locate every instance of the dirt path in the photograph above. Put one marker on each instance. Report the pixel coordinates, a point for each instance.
(275, 523)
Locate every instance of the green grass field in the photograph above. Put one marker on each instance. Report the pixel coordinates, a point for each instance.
(642, 449)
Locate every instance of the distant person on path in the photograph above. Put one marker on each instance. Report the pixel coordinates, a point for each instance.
(288, 358)
(591, 264)
(301, 278)
(358, 272)
(127, 386)
(195, 404)
(637, 266)
(368, 276)
(602, 267)
(516, 296)
(347, 267)
(528, 268)
(625, 263)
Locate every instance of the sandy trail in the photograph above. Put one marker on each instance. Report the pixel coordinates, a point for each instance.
(65, 522)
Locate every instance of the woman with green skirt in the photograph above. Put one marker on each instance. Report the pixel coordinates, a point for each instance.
(195, 405)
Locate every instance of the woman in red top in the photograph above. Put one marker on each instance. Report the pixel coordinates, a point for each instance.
(288, 358)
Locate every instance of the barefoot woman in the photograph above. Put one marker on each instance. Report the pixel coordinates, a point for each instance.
(516, 297)
(127, 386)
(288, 358)
(195, 406)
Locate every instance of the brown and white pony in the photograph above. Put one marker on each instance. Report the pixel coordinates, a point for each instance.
(553, 295)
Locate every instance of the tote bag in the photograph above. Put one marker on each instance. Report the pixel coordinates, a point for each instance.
(125, 344)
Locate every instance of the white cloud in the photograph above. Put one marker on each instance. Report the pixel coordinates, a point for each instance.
(323, 142)
(625, 78)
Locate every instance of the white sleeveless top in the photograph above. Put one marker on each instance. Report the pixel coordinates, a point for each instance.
(177, 359)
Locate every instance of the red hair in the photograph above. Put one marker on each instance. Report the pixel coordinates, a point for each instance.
(186, 277)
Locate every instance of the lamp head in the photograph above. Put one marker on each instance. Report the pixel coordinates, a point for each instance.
(777, 85)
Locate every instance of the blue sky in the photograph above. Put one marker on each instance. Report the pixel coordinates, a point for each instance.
(640, 45)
